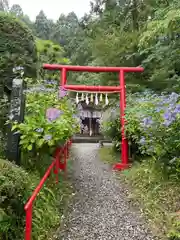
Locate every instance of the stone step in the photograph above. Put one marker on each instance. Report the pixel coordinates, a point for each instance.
(88, 139)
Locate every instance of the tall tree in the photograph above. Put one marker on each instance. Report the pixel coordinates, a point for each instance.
(4, 5)
(65, 28)
(16, 10)
(43, 26)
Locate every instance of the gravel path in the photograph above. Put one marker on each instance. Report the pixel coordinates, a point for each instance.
(100, 209)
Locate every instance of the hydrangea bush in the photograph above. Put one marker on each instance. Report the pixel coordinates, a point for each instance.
(110, 125)
(152, 127)
(50, 119)
(153, 123)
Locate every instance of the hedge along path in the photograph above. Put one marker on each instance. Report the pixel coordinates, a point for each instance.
(99, 209)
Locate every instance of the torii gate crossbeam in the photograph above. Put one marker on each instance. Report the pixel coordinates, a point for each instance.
(124, 164)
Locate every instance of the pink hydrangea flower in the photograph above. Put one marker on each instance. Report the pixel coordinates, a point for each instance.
(53, 113)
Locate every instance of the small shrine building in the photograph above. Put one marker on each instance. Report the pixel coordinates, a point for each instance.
(90, 116)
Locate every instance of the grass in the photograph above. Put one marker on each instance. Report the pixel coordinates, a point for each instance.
(157, 196)
(107, 155)
(57, 197)
(62, 193)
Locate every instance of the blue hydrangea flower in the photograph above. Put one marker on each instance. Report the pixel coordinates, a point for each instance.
(52, 82)
(142, 141)
(147, 122)
(169, 117)
(39, 130)
(47, 137)
(174, 96)
(177, 109)
(40, 88)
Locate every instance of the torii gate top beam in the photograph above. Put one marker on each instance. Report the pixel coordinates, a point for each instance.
(84, 88)
(91, 68)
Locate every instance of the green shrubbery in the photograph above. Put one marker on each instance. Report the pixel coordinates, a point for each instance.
(152, 128)
(16, 186)
(153, 124)
(17, 47)
(14, 190)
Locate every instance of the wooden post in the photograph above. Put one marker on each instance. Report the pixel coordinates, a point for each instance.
(90, 125)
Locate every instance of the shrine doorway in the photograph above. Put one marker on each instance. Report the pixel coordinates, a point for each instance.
(90, 127)
(90, 117)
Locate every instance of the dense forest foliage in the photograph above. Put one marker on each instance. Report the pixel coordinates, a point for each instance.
(114, 33)
(120, 33)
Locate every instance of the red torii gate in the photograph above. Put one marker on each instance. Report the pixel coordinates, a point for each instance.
(121, 89)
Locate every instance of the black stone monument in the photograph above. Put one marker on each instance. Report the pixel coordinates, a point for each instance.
(16, 113)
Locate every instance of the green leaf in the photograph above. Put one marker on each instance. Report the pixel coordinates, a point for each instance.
(14, 127)
(40, 142)
(29, 147)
